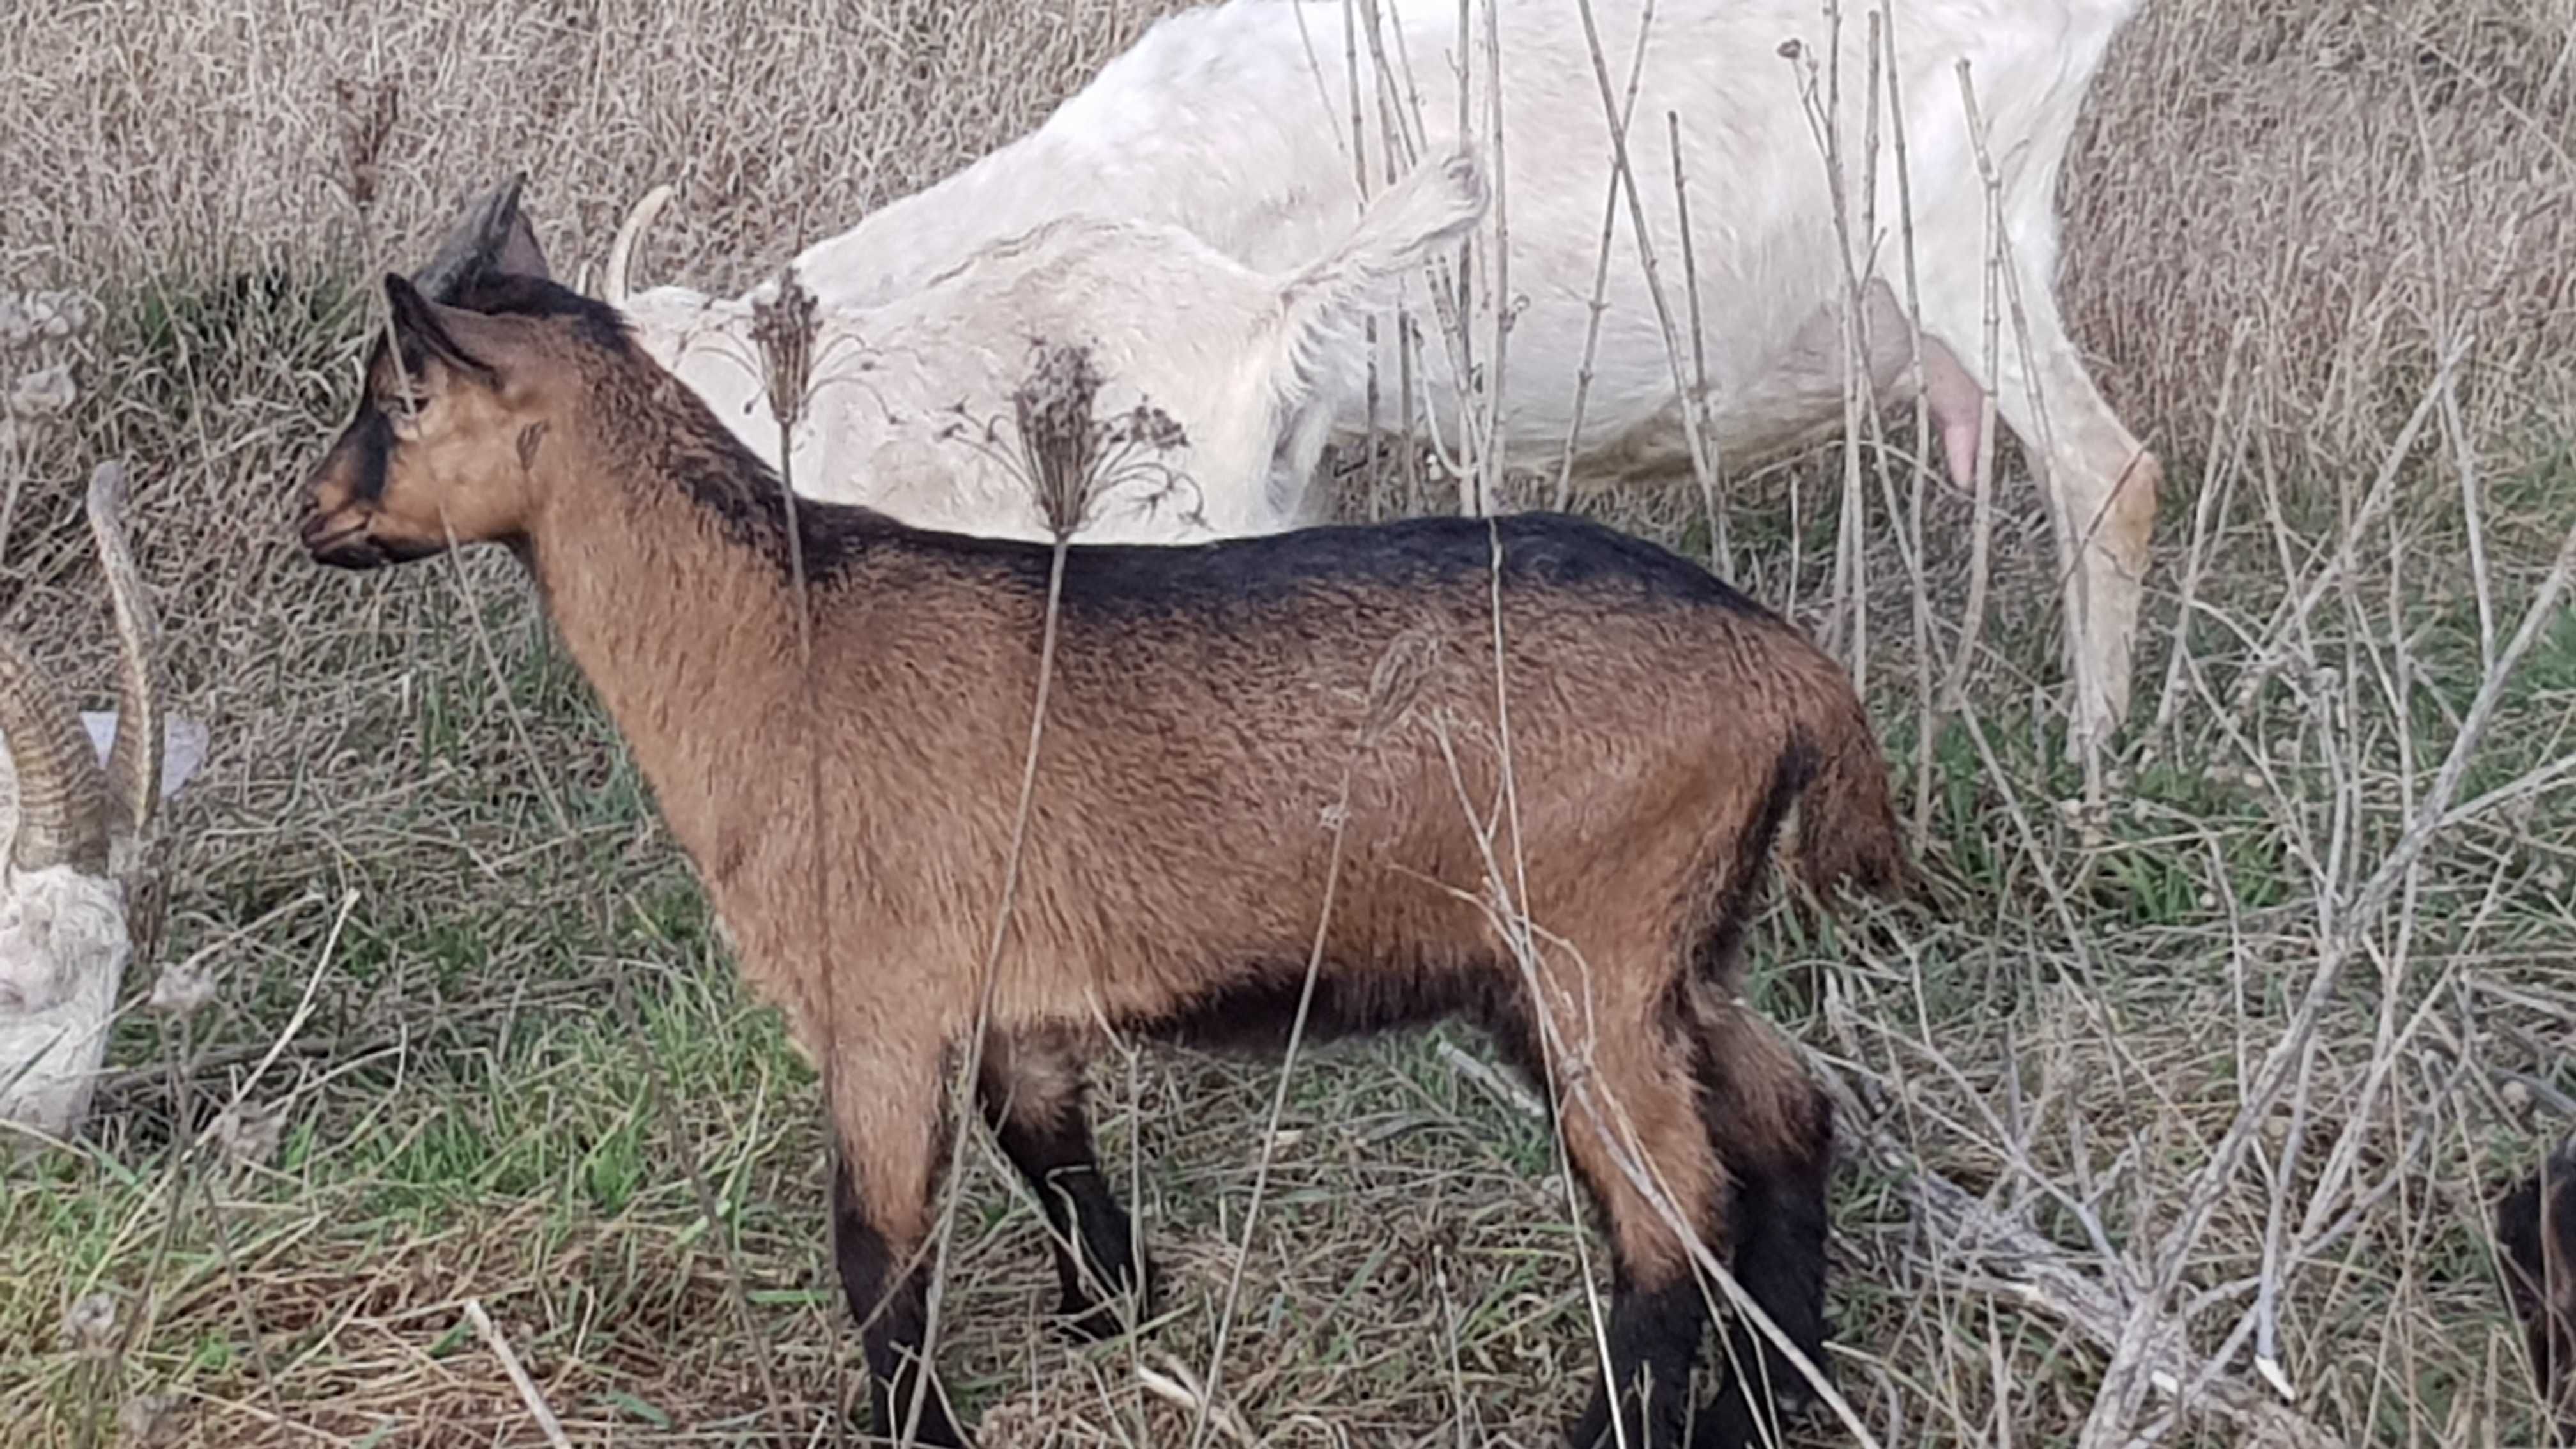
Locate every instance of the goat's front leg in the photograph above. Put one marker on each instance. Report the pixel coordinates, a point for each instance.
(893, 1138)
(1032, 1092)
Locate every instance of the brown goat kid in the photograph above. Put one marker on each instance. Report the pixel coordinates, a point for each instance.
(1208, 701)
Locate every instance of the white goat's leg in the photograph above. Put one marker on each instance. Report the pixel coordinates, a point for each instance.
(2100, 484)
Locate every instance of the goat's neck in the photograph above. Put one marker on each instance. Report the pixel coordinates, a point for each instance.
(690, 639)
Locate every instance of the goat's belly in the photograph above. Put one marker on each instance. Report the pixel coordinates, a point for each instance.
(1255, 1008)
(1775, 372)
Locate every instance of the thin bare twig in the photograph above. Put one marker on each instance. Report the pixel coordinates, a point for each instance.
(547, 1423)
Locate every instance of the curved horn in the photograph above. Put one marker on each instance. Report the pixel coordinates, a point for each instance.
(615, 287)
(134, 761)
(62, 817)
(473, 243)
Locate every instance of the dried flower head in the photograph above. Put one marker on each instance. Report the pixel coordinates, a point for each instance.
(1395, 683)
(367, 111)
(250, 1131)
(1147, 426)
(33, 387)
(184, 989)
(151, 1419)
(90, 1326)
(1070, 457)
(784, 328)
(1057, 437)
(30, 317)
(43, 392)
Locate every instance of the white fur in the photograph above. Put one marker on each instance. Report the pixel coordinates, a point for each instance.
(63, 951)
(1250, 363)
(63, 954)
(1234, 122)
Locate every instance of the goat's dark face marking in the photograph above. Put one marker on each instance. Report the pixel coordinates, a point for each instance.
(453, 399)
(444, 445)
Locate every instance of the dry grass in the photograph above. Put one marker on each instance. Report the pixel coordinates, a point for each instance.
(450, 935)
(204, 137)
(2352, 182)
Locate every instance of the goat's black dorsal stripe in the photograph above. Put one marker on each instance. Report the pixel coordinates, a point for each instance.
(375, 439)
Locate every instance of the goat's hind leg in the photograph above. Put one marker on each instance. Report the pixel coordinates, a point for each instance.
(892, 1139)
(1773, 1129)
(1639, 1112)
(2100, 483)
(1032, 1092)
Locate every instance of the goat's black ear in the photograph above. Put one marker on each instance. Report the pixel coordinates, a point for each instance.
(510, 240)
(490, 236)
(518, 254)
(418, 332)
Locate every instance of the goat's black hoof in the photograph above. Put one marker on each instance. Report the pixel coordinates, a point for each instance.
(932, 1430)
(1729, 1422)
(1088, 1322)
(1666, 1428)
(935, 1432)
(1092, 1320)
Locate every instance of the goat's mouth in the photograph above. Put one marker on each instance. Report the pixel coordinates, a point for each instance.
(340, 542)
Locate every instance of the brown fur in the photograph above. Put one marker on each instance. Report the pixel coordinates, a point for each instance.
(1200, 723)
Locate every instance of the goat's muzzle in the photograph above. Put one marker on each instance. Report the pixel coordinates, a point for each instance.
(341, 539)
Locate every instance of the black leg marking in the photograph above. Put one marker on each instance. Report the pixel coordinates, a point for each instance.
(1088, 1232)
(1780, 1263)
(1779, 1227)
(892, 1320)
(1654, 1338)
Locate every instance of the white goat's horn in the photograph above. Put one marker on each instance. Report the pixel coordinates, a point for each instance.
(134, 761)
(62, 816)
(615, 286)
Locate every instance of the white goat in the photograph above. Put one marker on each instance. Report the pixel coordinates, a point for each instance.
(1235, 121)
(1247, 362)
(78, 850)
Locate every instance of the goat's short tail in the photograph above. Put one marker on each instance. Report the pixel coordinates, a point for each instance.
(1438, 201)
(1848, 837)
(1321, 304)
